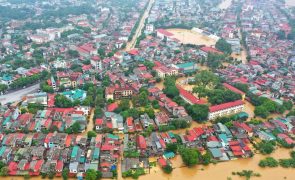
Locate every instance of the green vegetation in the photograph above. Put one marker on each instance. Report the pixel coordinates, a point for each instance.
(223, 46)
(247, 174)
(33, 107)
(206, 158)
(133, 173)
(265, 106)
(3, 88)
(62, 101)
(131, 154)
(74, 129)
(167, 169)
(91, 174)
(175, 124)
(266, 147)
(288, 163)
(65, 174)
(198, 112)
(268, 162)
(172, 147)
(91, 134)
(190, 156)
(170, 88)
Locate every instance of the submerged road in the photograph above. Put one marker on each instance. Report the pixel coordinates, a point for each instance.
(130, 45)
(17, 95)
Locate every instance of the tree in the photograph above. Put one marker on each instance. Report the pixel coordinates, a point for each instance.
(90, 174)
(76, 127)
(201, 91)
(206, 158)
(91, 134)
(170, 88)
(288, 104)
(124, 104)
(171, 147)
(223, 46)
(266, 147)
(2, 164)
(207, 79)
(98, 175)
(4, 171)
(190, 157)
(167, 169)
(73, 53)
(3, 88)
(268, 162)
(62, 101)
(198, 112)
(261, 111)
(65, 173)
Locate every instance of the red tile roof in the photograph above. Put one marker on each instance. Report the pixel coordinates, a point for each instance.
(190, 97)
(164, 32)
(162, 162)
(141, 142)
(112, 107)
(211, 50)
(232, 88)
(98, 121)
(225, 105)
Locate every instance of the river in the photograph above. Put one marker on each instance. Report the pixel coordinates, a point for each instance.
(224, 170)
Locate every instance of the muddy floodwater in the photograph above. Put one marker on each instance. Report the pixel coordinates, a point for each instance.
(224, 170)
(187, 36)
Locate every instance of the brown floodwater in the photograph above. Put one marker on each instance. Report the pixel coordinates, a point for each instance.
(186, 36)
(224, 170)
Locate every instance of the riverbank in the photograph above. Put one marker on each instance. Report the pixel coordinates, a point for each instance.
(224, 170)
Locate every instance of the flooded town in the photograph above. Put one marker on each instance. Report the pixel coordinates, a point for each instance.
(147, 89)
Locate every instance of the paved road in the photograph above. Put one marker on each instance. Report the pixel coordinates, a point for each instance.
(131, 44)
(17, 95)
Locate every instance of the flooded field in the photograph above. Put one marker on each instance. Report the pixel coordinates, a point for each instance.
(242, 56)
(186, 36)
(224, 170)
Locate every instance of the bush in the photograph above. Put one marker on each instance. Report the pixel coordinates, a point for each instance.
(268, 162)
(266, 147)
(167, 169)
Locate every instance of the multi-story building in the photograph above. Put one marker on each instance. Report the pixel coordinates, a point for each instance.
(225, 109)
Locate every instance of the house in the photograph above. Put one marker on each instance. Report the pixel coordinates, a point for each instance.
(98, 124)
(188, 97)
(235, 90)
(141, 143)
(164, 34)
(118, 91)
(161, 118)
(225, 109)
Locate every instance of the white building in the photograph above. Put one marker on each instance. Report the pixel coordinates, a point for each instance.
(225, 109)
